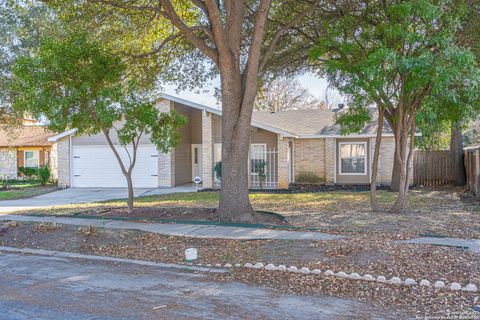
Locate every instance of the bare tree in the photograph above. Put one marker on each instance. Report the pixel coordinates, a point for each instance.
(286, 94)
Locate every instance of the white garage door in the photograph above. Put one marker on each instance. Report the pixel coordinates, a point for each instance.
(96, 166)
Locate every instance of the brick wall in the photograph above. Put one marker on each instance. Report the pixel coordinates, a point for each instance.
(330, 155)
(207, 150)
(283, 163)
(385, 162)
(309, 157)
(63, 158)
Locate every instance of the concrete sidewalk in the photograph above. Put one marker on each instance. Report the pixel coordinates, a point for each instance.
(470, 244)
(83, 195)
(184, 230)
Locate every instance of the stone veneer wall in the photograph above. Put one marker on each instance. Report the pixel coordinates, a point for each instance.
(8, 163)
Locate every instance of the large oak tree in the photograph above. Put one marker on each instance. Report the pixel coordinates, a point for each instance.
(243, 40)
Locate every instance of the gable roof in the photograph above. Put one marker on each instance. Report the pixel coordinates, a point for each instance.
(319, 123)
(218, 112)
(314, 123)
(26, 136)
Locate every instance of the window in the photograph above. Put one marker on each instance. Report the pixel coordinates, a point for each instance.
(258, 157)
(32, 159)
(353, 158)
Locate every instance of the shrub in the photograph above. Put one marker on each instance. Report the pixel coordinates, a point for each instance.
(29, 173)
(307, 177)
(44, 175)
(218, 169)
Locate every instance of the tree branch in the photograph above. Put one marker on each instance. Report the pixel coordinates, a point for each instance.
(284, 29)
(170, 13)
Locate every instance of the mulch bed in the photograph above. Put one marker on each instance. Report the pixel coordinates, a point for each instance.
(309, 187)
(179, 214)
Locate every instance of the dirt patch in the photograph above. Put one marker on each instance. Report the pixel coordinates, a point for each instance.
(179, 214)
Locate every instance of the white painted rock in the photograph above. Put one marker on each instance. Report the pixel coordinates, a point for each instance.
(199, 264)
(292, 269)
(381, 279)
(208, 265)
(270, 267)
(424, 283)
(238, 265)
(282, 267)
(455, 286)
(368, 277)
(395, 280)
(248, 265)
(470, 287)
(227, 265)
(316, 271)
(305, 270)
(439, 284)
(355, 276)
(341, 274)
(218, 265)
(410, 282)
(258, 265)
(329, 273)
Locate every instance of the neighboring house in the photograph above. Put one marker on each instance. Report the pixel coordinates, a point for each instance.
(25, 146)
(286, 147)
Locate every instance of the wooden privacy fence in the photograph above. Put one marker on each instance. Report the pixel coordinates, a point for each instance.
(432, 168)
(472, 168)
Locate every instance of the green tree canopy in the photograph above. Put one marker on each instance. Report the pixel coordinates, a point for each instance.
(76, 83)
(396, 55)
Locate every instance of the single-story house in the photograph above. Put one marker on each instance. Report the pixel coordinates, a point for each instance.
(25, 146)
(286, 147)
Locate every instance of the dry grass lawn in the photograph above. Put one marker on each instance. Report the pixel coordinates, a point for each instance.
(441, 212)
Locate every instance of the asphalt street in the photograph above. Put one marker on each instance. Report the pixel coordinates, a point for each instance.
(41, 287)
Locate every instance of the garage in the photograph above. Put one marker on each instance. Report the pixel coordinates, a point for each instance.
(97, 167)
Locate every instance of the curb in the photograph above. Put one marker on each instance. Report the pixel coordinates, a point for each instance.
(62, 254)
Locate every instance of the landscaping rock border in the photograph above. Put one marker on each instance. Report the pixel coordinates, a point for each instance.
(409, 282)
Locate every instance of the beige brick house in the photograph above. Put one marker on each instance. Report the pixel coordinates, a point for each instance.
(286, 147)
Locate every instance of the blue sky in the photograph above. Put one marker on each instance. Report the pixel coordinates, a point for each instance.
(314, 84)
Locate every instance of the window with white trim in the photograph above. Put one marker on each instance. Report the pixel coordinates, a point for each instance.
(353, 158)
(258, 157)
(32, 159)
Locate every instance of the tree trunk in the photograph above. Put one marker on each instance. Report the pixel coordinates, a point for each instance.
(236, 125)
(395, 181)
(376, 155)
(128, 176)
(456, 154)
(401, 137)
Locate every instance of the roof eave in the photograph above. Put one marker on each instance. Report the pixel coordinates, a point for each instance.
(62, 135)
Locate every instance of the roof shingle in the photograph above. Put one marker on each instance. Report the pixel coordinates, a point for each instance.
(25, 136)
(312, 122)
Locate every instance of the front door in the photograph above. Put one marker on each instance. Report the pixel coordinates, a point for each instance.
(196, 161)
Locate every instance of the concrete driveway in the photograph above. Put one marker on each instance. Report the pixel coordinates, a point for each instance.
(39, 287)
(82, 195)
